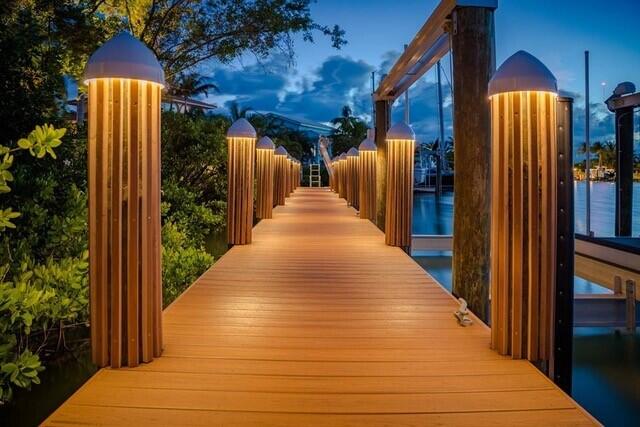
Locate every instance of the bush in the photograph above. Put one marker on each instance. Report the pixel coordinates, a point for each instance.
(182, 262)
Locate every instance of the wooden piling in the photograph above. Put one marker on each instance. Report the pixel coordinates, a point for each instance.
(241, 145)
(279, 177)
(473, 45)
(265, 164)
(367, 179)
(124, 212)
(523, 214)
(399, 205)
(353, 194)
(342, 185)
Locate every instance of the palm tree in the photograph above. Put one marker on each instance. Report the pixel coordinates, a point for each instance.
(189, 85)
(238, 112)
(349, 131)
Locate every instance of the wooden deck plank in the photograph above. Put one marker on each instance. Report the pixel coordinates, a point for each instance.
(317, 322)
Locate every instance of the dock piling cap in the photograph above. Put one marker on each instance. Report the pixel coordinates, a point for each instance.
(125, 57)
(241, 128)
(368, 144)
(265, 143)
(401, 131)
(281, 151)
(353, 152)
(522, 72)
(343, 156)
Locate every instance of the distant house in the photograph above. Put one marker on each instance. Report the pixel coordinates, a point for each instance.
(312, 130)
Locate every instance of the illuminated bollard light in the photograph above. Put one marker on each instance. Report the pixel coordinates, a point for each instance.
(332, 175)
(367, 177)
(124, 82)
(400, 151)
(289, 175)
(523, 96)
(265, 164)
(241, 145)
(353, 194)
(342, 184)
(279, 176)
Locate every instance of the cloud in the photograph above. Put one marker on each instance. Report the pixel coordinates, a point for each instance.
(340, 80)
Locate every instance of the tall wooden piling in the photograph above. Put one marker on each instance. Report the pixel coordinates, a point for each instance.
(367, 178)
(279, 176)
(399, 205)
(265, 165)
(342, 165)
(241, 146)
(353, 194)
(472, 39)
(523, 215)
(124, 93)
(382, 123)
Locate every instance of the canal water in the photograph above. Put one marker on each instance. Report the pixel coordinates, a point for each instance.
(606, 363)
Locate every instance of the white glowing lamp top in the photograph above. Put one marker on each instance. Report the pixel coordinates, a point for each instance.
(368, 144)
(522, 72)
(241, 128)
(401, 130)
(125, 57)
(265, 143)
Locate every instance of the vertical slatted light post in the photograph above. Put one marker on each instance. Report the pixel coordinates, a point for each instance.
(353, 195)
(279, 178)
(523, 212)
(265, 161)
(336, 174)
(124, 82)
(289, 175)
(399, 204)
(342, 185)
(367, 178)
(241, 146)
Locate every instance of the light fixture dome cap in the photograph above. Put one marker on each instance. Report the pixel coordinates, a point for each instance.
(125, 57)
(368, 144)
(281, 151)
(401, 130)
(353, 152)
(343, 156)
(241, 128)
(265, 143)
(522, 72)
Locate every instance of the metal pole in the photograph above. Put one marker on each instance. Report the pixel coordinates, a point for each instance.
(406, 101)
(560, 369)
(587, 167)
(440, 156)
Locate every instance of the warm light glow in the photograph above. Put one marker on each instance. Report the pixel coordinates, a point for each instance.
(540, 92)
(87, 82)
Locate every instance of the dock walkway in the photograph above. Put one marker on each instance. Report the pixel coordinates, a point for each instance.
(317, 322)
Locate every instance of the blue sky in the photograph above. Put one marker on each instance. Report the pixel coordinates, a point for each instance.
(323, 79)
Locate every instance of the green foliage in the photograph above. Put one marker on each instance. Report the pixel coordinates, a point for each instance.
(40, 289)
(186, 33)
(349, 132)
(182, 261)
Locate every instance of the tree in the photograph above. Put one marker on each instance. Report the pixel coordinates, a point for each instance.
(185, 33)
(188, 85)
(349, 131)
(237, 112)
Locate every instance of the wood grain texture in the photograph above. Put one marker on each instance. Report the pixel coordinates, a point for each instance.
(240, 168)
(343, 184)
(318, 322)
(398, 218)
(353, 193)
(124, 221)
(523, 223)
(279, 180)
(265, 164)
(367, 185)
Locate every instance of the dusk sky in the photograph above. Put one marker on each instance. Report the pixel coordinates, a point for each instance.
(323, 79)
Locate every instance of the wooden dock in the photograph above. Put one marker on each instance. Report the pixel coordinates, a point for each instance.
(317, 322)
